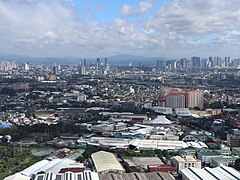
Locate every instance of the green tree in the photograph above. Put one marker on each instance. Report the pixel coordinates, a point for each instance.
(237, 164)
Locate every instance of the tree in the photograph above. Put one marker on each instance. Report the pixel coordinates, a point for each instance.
(87, 153)
(165, 153)
(237, 164)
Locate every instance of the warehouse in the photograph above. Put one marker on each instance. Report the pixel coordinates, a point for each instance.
(105, 162)
(222, 172)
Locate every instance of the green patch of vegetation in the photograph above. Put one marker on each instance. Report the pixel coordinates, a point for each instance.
(15, 159)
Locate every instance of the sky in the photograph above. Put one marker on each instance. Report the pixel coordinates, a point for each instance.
(98, 28)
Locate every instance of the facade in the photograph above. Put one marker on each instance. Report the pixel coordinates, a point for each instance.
(236, 151)
(186, 162)
(194, 98)
(69, 175)
(162, 110)
(205, 156)
(175, 100)
(233, 140)
(218, 161)
(183, 112)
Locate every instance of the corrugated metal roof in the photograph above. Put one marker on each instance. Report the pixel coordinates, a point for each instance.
(105, 161)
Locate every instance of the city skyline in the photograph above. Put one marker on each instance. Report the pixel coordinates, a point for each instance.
(103, 28)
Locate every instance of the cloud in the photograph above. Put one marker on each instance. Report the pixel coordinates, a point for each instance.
(119, 21)
(197, 17)
(177, 29)
(142, 7)
(126, 10)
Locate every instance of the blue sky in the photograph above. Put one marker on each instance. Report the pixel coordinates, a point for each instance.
(104, 11)
(92, 28)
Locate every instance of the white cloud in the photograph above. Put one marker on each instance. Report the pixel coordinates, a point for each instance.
(126, 10)
(179, 28)
(119, 21)
(142, 7)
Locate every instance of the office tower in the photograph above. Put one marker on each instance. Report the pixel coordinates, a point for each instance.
(236, 63)
(218, 61)
(82, 68)
(26, 66)
(173, 64)
(210, 62)
(140, 64)
(161, 64)
(7, 66)
(97, 64)
(158, 64)
(56, 70)
(183, 63)
(105, 63)
(195, 62)
(194, 98)
(204, 63)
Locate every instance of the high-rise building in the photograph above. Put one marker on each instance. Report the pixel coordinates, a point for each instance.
(56, 70)
(7, 65)
(97, 64)
(175, 100)
(183, 63)
(26, 66)
(194, 98)
(196, 62)
(161, 64)
(105, 63)
(82, 68)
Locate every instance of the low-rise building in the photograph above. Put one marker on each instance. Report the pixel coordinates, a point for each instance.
(205, 156)
(105, 162)
(185, 162)
(221, 172)
(218, 161)
(236, 151)
(183, 112)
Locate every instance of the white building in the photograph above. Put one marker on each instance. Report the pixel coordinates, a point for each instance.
(148, 144)
(183, 112)
(160, 120)
(186, 162)
(162, 110)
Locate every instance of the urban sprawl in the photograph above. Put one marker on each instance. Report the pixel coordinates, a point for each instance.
(106, 120)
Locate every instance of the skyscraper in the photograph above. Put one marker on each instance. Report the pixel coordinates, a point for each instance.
(196, 62)
(97, 64)
(82, 68)
(56, 69)
(105, 63)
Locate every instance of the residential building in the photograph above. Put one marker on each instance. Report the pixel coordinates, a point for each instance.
(194, 98)
(175, 100)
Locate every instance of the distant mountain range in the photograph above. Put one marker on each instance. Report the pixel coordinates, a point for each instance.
(116, 59)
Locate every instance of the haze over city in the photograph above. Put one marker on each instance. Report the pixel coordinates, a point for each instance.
(83, 28)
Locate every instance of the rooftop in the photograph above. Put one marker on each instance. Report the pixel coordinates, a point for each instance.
(105, 161)
(221, 172)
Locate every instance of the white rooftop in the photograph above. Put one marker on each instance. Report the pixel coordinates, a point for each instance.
(221, 172)
(17, 176)
(53, 166)
(161, 120)
(106, 161)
